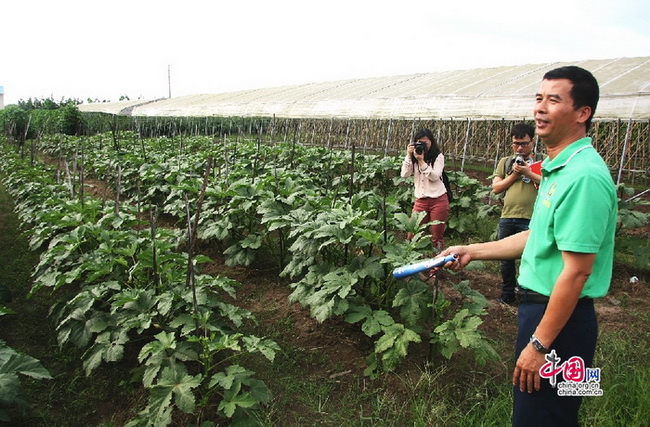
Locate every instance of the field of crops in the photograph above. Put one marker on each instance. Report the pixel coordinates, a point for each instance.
(121, 227)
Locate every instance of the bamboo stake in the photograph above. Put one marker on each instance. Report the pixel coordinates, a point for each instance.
(257, 155)
(68, 179)
(118, 186)
(329, 134)
(153, 218)
(192, 227)
(139, 195)
(293, 149)
(347, 135)
(627, 138)
(199, 203)
(496, 154)
(225, 159)
(272, 129)
(23, 137)
(142, 147)
(390, 124)
(352, 171)
(189, 276)
(81, 175)
(286, 131)
(33, 153)
(297, 135)
(462, 165)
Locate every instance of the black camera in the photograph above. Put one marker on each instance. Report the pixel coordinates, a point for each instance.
(419, 146)
(520, 160)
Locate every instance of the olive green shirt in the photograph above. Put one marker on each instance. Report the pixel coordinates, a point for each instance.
(519, 198)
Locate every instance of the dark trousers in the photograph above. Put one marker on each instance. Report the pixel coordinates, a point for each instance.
(508, 227)
(545, 408)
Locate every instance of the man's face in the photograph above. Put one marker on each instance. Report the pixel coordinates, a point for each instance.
(522, 146)
(554, 111)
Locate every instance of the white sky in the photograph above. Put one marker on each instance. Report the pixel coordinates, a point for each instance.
(104, 49)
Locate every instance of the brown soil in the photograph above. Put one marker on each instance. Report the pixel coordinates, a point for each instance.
(346, 347)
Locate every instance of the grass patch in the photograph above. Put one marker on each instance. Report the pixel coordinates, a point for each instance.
(17, 259)
(625, 373)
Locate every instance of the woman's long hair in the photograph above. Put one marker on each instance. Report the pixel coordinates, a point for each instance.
(431, 155)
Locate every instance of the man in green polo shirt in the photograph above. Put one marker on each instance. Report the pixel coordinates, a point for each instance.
(567, 254)
(577, 201)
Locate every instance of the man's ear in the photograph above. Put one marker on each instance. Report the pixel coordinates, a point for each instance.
(583, 114)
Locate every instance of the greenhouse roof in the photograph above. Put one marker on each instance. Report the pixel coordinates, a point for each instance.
(486, 93)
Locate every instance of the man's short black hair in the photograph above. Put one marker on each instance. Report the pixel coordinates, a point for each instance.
(520, 130)
(585, 90)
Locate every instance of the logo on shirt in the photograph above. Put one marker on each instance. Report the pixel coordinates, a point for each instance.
(547, 198)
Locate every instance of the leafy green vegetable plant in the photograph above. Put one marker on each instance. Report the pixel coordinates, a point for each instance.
(629, 219)
(12, 365)
(115, 282)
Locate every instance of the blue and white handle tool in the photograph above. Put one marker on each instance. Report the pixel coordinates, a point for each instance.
(411, 269)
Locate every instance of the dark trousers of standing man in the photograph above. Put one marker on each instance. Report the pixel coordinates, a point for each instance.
(545, 408)
(508, 227)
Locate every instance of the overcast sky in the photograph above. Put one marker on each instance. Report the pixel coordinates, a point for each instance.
(105, 49)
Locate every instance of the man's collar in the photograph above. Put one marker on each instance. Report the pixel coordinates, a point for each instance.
(565, 156)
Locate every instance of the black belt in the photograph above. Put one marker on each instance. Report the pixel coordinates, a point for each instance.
(524, 295)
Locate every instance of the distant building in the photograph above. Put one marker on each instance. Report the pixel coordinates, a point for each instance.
(2, 97)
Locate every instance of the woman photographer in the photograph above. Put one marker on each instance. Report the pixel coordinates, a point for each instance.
(425, 162)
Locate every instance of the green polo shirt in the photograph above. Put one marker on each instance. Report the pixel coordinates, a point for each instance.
(575, 211)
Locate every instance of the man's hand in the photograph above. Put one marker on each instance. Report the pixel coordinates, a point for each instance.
(463, 257)
(526, 373)
(526, 171)
(521, 169)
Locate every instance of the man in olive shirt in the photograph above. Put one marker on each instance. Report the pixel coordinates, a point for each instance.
(567, 254)
(514, 178)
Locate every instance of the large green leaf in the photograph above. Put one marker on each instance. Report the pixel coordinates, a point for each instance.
(393, 345)
(412, 299)
(109, 346)
(176, 384)
(12, 362)
(240, 390)
(375, 321)
(179, 383)
(265, 346)
(461, 332)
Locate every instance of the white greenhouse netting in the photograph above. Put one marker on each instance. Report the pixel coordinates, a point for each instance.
(489, 93)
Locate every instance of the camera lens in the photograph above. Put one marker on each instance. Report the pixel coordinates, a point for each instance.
(419, 147)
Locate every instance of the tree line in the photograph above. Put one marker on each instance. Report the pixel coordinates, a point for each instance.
(32, 118)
